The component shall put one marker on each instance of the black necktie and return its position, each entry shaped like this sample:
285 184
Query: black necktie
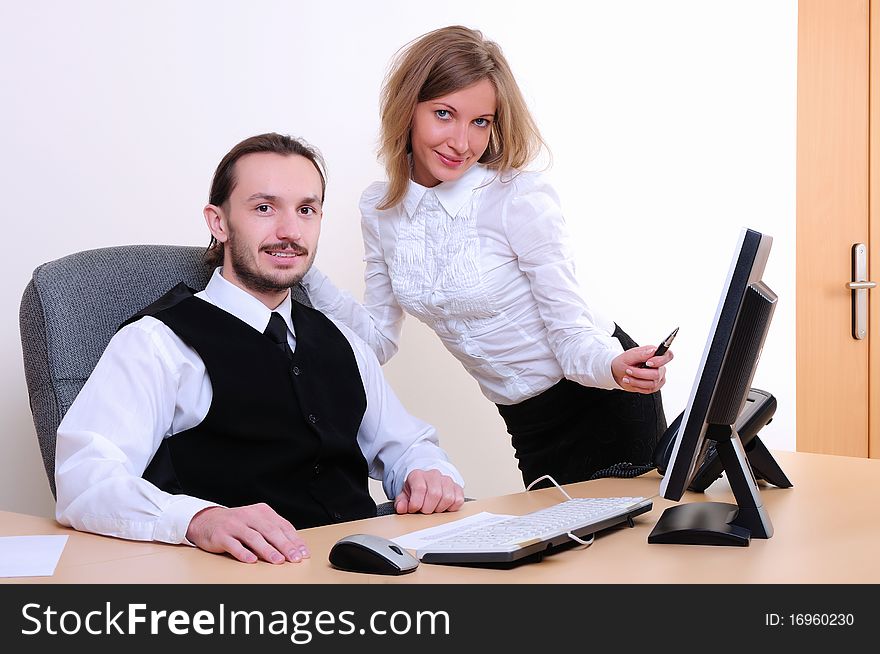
276 330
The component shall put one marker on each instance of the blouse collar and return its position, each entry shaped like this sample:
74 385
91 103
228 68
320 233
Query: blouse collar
452 195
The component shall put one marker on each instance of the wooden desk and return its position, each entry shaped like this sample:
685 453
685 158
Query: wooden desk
827 529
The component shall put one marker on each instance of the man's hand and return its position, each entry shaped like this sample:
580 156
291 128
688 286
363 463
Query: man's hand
429 491
630 377
248 533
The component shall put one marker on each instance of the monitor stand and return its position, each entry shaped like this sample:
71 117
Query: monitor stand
719 523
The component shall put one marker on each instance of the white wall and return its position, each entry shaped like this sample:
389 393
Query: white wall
672 125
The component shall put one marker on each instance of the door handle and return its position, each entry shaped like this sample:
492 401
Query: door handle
860 287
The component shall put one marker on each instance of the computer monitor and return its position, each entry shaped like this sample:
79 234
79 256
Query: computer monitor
719 393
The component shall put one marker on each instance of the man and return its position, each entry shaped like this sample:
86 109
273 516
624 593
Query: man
228 418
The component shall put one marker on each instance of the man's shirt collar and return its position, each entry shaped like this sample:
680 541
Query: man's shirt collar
244 306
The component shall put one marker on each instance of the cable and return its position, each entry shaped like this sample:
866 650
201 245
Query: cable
582 542
562 490
623 469
553 481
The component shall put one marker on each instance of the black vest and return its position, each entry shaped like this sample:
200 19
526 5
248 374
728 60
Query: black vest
278 431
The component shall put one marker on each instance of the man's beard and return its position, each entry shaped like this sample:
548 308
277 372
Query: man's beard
242 263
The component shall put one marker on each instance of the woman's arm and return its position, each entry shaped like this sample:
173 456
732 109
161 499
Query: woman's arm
379 320
535 228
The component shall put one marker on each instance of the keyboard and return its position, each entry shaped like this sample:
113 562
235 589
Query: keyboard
529 537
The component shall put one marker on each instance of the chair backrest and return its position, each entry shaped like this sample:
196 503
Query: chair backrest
72 307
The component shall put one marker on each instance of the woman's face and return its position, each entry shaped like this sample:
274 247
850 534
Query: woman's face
449 134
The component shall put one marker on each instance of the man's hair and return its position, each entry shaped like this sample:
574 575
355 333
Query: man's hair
435 64
225 180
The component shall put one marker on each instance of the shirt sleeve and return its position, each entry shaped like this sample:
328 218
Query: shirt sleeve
393 442
111 432
379 320
535 228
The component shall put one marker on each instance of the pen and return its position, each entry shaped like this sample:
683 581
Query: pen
661 349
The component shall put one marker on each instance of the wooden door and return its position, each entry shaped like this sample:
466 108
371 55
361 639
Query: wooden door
838 199
873 241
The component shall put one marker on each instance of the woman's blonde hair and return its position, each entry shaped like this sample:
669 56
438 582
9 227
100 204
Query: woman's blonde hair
438 63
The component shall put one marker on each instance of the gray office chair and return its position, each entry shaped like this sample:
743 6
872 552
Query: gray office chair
72 307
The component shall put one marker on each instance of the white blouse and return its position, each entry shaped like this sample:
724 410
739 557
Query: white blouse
486 262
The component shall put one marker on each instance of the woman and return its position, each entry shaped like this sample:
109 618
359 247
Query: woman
467 241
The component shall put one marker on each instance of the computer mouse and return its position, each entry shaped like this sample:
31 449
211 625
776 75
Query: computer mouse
371 554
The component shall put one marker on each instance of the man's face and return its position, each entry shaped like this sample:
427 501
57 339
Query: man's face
270 224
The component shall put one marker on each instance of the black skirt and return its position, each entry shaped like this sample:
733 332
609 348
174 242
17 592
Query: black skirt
573 432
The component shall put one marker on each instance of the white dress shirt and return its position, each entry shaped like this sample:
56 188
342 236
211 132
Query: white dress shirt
149 385
486 262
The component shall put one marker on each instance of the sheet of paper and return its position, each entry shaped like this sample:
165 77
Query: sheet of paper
30 556
419 539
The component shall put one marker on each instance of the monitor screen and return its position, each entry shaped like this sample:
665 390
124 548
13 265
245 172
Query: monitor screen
720 390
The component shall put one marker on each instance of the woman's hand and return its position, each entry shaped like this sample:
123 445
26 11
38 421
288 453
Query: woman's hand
631 377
